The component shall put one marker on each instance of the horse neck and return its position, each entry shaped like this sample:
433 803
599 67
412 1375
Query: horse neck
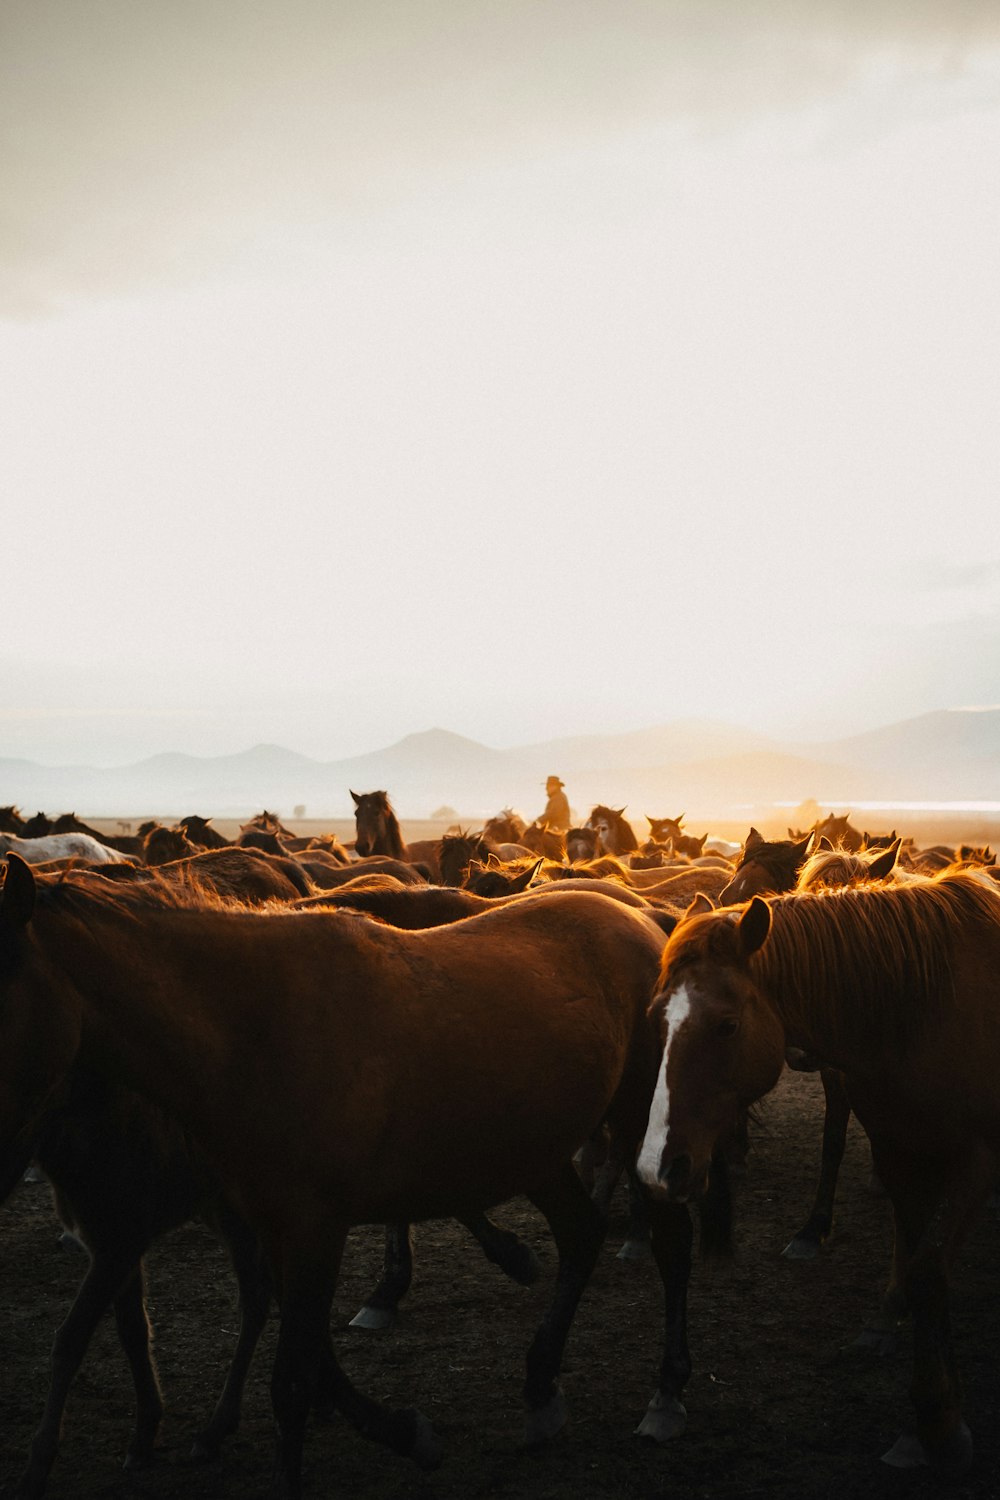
394 845
129 977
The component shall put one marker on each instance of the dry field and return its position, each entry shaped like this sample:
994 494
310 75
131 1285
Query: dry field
780 1404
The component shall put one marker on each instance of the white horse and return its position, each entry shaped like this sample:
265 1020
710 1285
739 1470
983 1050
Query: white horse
61 846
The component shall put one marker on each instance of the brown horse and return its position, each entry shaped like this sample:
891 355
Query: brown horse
899 987
840 831
378 832
662 829
337 1072
616 833
505 827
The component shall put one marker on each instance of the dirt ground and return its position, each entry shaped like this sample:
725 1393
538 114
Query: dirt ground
780 1403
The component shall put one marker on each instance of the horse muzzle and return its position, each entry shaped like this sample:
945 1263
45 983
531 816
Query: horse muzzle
678 1180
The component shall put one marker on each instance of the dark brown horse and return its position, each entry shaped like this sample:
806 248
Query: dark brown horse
11 821
200 831
765 868
899 988
123 1174
337 1071
378 832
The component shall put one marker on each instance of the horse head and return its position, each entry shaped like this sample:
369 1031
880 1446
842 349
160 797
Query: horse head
722 1045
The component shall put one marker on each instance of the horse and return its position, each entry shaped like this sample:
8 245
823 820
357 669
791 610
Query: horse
539 838
765 868
37 851
378 832
899 988
338 1072
616 833
662 829
505 827
200 832
11 820
161 845
581 844
840 831
126 843
770 869
123 1174
457 852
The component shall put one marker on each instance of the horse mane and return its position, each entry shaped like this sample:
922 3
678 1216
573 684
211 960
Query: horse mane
878 960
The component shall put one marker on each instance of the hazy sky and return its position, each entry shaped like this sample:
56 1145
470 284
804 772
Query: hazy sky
524 368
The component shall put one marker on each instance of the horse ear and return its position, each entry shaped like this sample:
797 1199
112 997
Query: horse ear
18 899
824 843
699 905
522 881
802 847
753 838
881 867
701 841
355 796
754 925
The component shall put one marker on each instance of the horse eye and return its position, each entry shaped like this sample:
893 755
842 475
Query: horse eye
728 1027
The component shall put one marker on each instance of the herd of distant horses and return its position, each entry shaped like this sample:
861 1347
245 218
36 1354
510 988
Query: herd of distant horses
290 1036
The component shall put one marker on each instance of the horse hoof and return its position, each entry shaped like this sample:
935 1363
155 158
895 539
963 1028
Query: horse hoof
543 1422
523 1266
801 1249
635 1250
426 1450
665 1419
907 1452
375 1319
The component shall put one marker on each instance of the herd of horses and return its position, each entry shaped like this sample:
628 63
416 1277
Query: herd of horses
290 1037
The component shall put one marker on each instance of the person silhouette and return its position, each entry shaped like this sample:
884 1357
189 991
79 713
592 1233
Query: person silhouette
556 814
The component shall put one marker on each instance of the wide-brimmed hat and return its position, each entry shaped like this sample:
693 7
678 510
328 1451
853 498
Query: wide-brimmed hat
554 780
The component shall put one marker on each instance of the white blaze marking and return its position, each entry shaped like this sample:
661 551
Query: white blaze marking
658 1126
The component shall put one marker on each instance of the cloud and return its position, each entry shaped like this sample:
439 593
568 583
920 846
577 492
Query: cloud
153 143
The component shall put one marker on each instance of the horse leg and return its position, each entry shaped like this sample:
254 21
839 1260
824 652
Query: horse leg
672 1234
136 1339
578 1227
255 1290
606 1179
933 1213
503 1247
805 1245
379 1311
636 1246
305 1367
107 1278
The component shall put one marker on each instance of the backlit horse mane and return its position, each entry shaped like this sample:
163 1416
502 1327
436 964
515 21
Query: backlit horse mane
819 954
838 867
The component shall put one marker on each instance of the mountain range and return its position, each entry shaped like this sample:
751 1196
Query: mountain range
706 768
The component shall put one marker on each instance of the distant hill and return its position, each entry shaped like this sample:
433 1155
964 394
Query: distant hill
698 767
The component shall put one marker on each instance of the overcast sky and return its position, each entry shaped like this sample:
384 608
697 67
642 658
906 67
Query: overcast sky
524 368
